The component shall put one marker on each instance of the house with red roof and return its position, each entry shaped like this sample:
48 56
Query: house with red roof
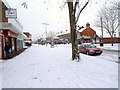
89 35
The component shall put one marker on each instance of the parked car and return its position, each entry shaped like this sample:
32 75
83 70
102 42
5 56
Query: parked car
89 49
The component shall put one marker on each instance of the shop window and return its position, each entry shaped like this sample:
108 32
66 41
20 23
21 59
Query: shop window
114 35
13 46
7 40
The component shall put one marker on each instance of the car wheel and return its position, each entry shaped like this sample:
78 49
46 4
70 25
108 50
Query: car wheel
87 53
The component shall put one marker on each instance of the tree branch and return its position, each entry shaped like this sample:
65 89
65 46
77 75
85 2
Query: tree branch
81 11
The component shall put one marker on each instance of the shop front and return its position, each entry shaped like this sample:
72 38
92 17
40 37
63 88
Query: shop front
10 28
11 37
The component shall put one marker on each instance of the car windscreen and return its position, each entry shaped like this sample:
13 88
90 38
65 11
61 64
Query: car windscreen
89 46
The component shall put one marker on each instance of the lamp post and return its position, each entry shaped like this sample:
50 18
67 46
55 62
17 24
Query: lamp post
78 33
46 31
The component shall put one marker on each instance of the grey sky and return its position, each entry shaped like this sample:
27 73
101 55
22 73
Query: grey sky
48 11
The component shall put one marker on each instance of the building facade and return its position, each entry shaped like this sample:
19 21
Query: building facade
10 29
88 35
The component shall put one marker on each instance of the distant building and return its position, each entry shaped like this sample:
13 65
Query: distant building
27 34
88 31
64 37
89 35
27 40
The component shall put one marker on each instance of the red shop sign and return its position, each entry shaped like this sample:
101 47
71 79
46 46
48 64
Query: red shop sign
12 34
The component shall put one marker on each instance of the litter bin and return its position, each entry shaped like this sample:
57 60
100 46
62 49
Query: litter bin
101 44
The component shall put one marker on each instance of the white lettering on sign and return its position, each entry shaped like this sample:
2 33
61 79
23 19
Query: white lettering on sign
11 13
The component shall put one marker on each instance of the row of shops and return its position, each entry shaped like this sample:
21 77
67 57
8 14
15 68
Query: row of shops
14 37
10 31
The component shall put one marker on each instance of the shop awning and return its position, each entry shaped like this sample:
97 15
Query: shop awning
10 26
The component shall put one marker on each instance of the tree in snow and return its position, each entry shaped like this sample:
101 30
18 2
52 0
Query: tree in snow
73 21
50 35
109 15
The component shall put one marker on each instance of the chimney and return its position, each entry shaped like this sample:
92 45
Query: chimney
87 25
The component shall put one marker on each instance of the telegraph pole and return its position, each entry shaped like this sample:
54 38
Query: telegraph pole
101 27
101 42
46 31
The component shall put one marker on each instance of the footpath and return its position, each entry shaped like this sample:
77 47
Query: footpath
17 53
109 47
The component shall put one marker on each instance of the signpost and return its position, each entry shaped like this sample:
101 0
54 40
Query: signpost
46 31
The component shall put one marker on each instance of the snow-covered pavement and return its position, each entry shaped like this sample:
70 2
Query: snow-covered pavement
45 67
115 47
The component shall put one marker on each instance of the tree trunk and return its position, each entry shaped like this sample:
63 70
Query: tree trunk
70 7
112 40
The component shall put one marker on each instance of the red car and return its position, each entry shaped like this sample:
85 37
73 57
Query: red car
89 49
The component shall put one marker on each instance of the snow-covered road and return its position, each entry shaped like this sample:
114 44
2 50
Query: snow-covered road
109 55
45 67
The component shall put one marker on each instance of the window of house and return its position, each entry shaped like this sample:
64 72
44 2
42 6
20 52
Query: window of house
114 35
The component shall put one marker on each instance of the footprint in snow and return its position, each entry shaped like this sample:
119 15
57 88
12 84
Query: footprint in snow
34 78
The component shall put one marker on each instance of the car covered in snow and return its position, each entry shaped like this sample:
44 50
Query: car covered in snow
89 49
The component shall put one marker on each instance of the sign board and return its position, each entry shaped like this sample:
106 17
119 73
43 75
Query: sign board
11 13
27 40
12 34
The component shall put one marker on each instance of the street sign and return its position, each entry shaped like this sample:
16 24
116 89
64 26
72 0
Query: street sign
11 13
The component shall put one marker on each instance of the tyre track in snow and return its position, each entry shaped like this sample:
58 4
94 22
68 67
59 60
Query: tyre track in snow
108 56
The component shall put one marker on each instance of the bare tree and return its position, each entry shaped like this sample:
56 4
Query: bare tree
72 6
73 22
51 34
109 17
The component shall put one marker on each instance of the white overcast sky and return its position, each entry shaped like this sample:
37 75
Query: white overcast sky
48 11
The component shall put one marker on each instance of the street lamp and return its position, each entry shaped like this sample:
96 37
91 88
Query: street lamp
46 31
80 27
78 33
